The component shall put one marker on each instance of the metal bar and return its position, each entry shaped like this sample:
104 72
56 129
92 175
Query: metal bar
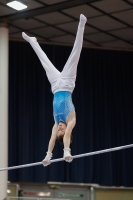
76 156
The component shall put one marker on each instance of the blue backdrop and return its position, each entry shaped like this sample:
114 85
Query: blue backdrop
103 99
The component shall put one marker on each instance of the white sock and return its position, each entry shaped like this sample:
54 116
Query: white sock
83 20
27 38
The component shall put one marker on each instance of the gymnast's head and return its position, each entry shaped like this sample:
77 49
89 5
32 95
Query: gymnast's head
61 132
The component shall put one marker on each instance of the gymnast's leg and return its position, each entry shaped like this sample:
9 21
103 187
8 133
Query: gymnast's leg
70 68
51 71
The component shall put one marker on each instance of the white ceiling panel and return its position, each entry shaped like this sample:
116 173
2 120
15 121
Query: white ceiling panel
83 9
28 24
112 5
105 23
30 3
99 37
49 2
54 18
117 43
72 28
126 34
48 32
126 16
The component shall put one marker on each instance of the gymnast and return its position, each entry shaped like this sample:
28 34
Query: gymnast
62 85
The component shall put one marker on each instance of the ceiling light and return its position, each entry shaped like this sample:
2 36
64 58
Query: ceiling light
17 5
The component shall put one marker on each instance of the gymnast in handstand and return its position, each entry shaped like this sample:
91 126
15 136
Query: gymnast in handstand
62 85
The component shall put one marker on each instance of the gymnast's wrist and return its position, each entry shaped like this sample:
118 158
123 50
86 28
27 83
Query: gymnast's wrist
67 151
49 154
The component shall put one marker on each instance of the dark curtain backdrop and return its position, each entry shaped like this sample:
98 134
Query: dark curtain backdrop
103 98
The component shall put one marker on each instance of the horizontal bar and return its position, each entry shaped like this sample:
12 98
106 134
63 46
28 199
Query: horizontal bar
76 156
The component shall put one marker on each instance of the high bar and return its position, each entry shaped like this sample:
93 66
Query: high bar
76 156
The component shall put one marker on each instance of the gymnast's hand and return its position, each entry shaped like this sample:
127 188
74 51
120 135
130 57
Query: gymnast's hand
67 155
47 159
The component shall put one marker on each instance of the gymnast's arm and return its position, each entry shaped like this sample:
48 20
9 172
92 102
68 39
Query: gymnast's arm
53 138
67 136
67 140
51 145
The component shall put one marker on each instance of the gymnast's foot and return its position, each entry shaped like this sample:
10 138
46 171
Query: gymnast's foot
83 20
27 38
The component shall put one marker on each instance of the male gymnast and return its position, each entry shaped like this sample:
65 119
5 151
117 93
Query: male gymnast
62 85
